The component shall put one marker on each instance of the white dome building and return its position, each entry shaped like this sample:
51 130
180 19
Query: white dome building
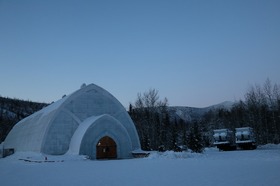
89 122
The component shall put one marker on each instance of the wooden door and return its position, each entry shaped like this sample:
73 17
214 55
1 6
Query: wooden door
106 148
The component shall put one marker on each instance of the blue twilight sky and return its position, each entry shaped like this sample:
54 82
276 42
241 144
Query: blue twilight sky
194 52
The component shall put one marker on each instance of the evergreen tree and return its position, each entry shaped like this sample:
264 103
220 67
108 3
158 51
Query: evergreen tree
145 143
195 139
173 139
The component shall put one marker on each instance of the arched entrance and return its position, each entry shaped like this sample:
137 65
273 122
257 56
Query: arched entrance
106 148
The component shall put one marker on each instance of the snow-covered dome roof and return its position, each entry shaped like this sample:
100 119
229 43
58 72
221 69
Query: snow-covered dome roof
89 113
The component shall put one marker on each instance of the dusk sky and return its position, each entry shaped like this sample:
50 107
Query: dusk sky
195 53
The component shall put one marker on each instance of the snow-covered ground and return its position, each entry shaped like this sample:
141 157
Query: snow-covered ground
256 167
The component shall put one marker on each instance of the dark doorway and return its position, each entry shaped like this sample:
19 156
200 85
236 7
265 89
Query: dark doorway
106 148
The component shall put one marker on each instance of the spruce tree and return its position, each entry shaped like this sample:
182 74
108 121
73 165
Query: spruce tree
195 139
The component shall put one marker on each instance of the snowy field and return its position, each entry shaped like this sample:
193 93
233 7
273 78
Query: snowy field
256 167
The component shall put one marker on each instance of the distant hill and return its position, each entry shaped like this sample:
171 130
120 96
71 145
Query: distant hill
191 113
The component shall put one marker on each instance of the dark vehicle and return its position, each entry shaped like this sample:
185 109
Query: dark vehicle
224 139
245 138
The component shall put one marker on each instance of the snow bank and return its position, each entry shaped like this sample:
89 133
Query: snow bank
173 155
41 158
269 146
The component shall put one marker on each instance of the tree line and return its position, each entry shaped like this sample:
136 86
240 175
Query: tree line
157 131
260 110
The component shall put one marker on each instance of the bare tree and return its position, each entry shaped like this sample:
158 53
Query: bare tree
149 115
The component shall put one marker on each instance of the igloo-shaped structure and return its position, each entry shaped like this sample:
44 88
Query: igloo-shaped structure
89 122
